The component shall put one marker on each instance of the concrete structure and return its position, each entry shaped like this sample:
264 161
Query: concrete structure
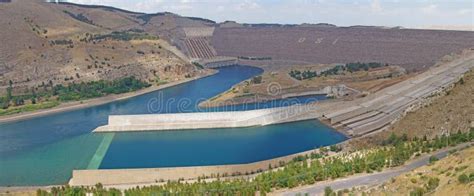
207 120
142 176
358 117
197 43
379 110
199 48
219 61
198 31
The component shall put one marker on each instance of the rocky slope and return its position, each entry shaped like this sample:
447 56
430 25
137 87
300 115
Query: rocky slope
46 43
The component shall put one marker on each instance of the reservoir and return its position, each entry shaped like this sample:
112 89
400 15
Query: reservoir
45 150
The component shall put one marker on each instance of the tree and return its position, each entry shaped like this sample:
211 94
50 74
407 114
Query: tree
328 191
432 184
417 192
335 148
433 159
463 179
257 79
9 94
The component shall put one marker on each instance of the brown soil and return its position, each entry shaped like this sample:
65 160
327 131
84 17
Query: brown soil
446 170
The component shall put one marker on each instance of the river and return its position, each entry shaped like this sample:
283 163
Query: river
45 150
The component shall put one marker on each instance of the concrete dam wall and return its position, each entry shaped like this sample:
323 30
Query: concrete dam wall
379 110
207 120
357 117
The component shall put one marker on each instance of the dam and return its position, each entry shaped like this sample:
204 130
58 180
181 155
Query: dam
357 117
360 116
29 147
209 120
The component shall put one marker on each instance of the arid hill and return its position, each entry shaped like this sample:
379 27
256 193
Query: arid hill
46 43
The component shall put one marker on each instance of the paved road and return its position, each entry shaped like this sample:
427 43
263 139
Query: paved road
369 179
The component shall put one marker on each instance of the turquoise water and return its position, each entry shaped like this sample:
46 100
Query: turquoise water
45 150
216 146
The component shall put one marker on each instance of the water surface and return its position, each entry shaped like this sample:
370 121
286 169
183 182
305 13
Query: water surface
45 150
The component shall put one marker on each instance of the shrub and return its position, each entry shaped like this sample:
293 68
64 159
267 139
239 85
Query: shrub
432 184
433 159
417 192
328 191
463 179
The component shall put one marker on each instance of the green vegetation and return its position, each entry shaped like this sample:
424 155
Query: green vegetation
433 159
255 58
93 89
464 179
60 93
337 70
67 190
199 66
417 192
256 80
126 36
79 17
433 183
29 108
328 191
61 42
304 170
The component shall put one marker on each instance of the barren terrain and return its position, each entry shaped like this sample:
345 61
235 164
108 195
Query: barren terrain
45 43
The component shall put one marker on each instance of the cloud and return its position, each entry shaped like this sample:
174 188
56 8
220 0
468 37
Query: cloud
248 5
375 6
465 11
430 9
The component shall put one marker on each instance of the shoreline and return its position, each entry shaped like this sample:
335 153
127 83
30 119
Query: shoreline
253 99
124 177
76 105
262 164
122 186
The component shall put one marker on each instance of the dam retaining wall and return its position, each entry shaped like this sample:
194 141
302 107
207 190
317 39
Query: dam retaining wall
357 117
209 120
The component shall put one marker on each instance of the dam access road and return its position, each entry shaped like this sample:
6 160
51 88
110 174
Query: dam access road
354 118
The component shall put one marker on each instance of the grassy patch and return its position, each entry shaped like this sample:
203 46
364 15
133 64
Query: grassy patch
28 108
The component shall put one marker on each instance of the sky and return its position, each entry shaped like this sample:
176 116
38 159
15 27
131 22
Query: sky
406 13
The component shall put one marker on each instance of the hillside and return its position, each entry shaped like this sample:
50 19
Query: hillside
453 175
45 43
444 115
